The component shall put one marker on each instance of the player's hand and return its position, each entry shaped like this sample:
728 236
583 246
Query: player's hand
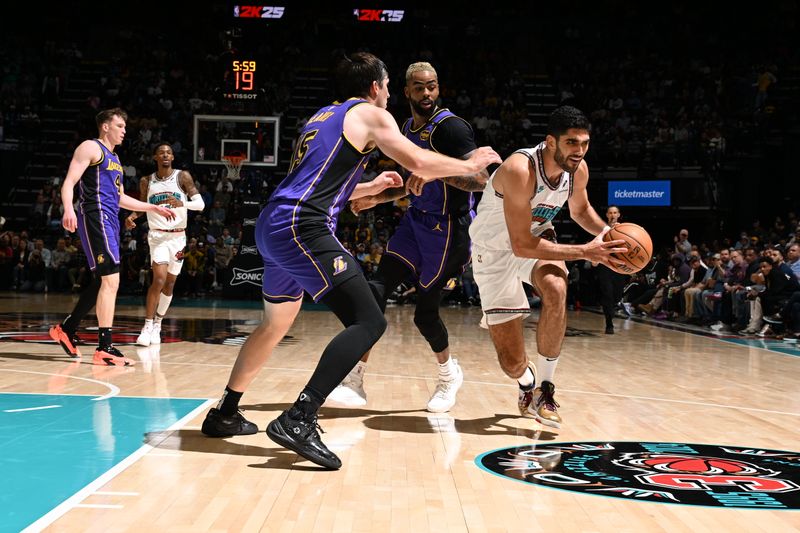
388 180
483 157
415 183
130 222
362 204
599 251
172 202
69 220
165 212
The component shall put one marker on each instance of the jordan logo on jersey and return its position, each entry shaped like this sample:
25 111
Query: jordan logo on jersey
339 265
437 227
544 213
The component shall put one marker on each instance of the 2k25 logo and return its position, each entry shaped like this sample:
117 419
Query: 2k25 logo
256 12
379 15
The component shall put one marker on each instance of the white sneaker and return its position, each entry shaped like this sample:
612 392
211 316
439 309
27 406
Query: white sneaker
145 336
444 398
155 336
350 392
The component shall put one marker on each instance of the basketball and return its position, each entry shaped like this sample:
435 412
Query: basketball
638 242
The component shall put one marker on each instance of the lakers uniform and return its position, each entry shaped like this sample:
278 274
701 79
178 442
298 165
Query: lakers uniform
432 238
498 272
98 212
295 230
167 238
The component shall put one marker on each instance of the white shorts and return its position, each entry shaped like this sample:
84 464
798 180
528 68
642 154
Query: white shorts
500 275
167 248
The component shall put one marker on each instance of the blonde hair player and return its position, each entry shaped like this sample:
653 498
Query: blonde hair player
513 242
166 238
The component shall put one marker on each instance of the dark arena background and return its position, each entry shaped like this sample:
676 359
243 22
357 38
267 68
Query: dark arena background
686 394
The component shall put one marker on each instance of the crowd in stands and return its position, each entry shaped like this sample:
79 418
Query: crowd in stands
673 109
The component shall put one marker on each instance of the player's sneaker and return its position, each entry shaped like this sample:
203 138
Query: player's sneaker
444 398
350 392
525 398
301 436
545 405
110 356
145 336
155 335
69 342
218 425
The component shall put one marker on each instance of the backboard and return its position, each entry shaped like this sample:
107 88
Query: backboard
254 137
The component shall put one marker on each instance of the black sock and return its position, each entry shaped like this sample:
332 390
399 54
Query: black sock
105 337
306 405
87 300
229 403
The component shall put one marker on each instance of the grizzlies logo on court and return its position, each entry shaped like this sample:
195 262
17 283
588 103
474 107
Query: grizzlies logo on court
688 474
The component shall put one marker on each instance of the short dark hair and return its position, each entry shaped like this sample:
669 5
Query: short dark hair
356 72
766 259
565 118
107 114
159 145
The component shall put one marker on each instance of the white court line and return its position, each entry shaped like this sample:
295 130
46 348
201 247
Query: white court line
31 409
115 493
75 499
100 506
113 389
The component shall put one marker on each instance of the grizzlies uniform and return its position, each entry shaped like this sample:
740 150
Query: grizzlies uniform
295 230
167 238
432 239
98 212
498 272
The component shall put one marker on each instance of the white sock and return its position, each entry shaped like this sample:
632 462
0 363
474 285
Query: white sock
359 369
163 303
526 380
447 370
546 366
148 323
157 320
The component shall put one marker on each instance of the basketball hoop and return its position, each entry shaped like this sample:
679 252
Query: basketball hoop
233 165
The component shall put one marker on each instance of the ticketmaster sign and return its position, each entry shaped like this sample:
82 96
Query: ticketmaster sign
639 192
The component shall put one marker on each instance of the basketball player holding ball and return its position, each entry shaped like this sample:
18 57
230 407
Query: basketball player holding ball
514 243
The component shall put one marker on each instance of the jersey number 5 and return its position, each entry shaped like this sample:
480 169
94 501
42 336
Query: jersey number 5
302 148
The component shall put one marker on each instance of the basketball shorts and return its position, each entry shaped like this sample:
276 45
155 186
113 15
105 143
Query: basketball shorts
295 261
167 248
99 234
434 247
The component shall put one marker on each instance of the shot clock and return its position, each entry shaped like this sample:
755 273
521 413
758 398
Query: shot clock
241 79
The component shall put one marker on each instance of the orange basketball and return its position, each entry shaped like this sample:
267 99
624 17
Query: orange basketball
638 242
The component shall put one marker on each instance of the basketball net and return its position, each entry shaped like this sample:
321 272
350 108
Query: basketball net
233 166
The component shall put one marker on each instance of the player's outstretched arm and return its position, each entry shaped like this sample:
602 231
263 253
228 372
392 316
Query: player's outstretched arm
381 128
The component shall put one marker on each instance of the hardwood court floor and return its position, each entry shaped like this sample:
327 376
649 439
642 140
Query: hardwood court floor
404 469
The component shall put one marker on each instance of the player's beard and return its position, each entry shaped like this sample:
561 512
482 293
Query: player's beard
421 111
563 162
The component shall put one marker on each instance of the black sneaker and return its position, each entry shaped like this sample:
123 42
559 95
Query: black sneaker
218 425
302 437
609 330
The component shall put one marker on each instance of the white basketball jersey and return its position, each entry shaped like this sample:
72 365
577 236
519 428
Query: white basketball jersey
489 230
157 191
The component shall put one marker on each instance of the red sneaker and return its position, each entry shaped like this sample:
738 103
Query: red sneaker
68 342
110 356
